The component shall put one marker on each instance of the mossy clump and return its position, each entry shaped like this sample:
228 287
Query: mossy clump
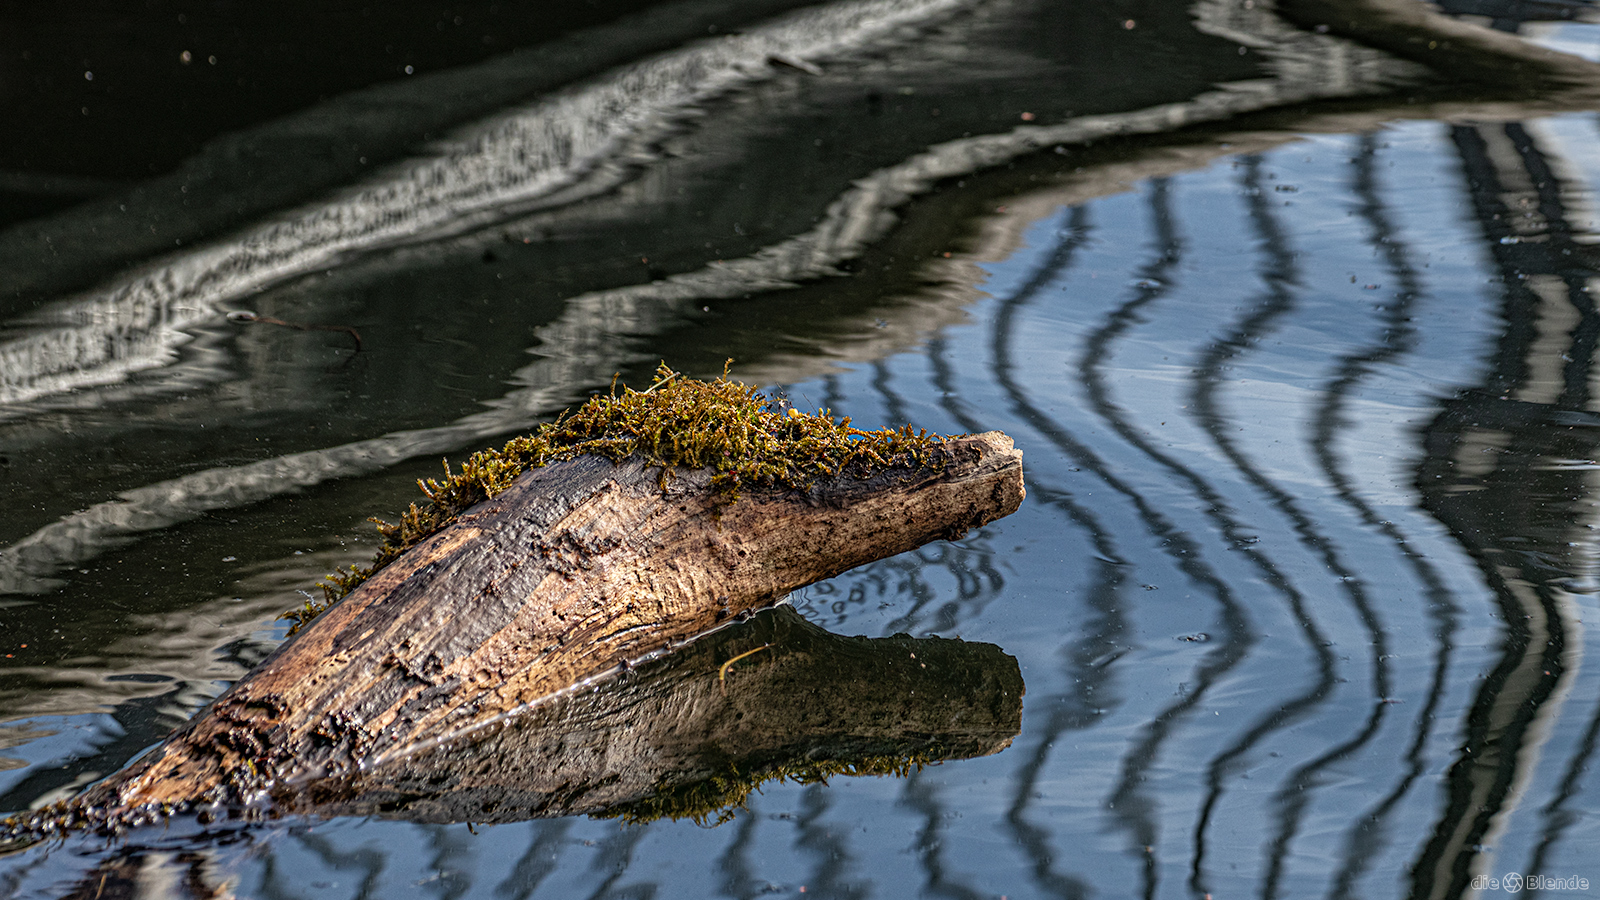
678 422
712 801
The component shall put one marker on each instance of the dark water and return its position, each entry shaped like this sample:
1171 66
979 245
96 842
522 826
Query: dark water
1299 592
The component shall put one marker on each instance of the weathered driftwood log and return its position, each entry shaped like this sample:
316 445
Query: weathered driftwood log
693 733
579 568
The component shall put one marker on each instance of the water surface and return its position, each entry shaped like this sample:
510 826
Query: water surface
1299 591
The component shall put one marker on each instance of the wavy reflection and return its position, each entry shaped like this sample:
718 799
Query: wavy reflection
1237 635
1493 475
1558 818
738 875
536 864
1087 665
1134 809
1367 833
1461 745
1278 275
921 797
568 147
1282 280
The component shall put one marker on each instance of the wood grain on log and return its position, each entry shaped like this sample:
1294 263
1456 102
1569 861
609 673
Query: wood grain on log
578 569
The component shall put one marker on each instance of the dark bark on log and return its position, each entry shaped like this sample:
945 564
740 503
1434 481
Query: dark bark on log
578 569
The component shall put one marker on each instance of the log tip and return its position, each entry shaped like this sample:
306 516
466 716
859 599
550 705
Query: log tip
998 442
1000 455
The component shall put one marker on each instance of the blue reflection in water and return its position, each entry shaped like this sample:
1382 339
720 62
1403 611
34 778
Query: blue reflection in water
1298 591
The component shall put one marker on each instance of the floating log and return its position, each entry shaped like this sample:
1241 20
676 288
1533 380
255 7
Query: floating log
580 567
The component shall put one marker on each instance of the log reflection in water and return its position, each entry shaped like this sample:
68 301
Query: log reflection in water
692 734
686 735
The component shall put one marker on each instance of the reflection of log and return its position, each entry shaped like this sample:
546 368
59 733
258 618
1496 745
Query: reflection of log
683 736
577 569
676 736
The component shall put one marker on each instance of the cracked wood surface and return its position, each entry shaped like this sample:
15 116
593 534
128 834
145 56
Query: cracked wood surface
578 569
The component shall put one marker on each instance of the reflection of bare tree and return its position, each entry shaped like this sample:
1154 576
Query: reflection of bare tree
615 857
738 876
1134 809
1087 663
1281 280
1558 818
922 797
827 846
1368 831
1237 634
1154 284
536 864
148 872
1278 277
1494 475
904 582
369 863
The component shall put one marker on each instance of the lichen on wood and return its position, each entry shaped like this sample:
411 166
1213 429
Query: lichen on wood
746 438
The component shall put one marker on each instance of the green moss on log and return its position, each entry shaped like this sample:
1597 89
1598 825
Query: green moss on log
676 423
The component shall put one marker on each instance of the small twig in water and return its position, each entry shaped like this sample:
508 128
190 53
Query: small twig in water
722 673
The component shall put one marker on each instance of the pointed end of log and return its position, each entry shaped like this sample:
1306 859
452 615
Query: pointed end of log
1003 453
1000 463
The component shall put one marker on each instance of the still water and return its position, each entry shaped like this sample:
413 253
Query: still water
1300 588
